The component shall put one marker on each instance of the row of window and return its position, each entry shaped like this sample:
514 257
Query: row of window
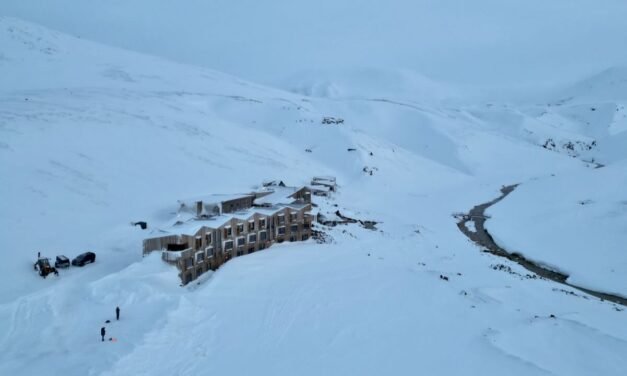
251 225
228 231
228 245
293 229
252 238
241 241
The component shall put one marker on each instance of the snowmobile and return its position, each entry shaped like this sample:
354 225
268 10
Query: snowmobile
44 268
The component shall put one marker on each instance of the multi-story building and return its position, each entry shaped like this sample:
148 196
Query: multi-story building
234 226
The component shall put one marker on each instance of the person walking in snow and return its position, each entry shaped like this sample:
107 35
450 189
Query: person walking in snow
117 313
102 333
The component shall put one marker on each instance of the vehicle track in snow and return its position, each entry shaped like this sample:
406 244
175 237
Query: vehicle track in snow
483 238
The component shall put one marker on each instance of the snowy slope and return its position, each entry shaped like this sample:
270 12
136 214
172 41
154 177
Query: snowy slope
92 138
576 223
486 42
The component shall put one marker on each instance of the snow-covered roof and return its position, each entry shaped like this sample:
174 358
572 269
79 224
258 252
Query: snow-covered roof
189 225
214 198
277 195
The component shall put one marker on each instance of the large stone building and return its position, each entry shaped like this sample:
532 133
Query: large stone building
213 229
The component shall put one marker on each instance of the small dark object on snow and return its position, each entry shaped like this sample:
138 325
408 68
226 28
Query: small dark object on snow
371 153
332 120
84 258
552 316
141 224
351 149
117 313
62 262
443 277
108 321
308 150
102 333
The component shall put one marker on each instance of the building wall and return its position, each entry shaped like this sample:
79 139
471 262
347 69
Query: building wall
303 195
190 267
234 205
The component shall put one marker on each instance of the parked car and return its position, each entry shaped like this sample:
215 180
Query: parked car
84 258
62 262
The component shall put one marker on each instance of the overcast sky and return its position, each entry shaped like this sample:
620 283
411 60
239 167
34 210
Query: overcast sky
491 42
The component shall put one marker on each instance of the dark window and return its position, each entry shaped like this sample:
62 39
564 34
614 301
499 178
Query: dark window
281 219
305 237
263 236
262 246
240 228
281 230
200 257
251 249
189 262
241 241
262 223
306 225
292 238
228 245
240 253
198 242
227 231
252 238
208 238
294 228
177 247
251 226
209 252
293 217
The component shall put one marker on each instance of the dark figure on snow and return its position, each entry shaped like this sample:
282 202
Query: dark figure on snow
102 333
38 255
117 313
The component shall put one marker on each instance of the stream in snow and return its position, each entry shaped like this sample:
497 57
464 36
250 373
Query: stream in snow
473 226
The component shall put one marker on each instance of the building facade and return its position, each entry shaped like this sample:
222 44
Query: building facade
209 244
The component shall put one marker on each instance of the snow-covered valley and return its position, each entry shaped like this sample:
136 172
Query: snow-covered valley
93 138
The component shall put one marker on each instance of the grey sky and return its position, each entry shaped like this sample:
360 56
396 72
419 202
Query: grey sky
492 42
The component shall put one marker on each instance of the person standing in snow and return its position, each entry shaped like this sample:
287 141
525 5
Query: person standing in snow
117 313
38 255
102 333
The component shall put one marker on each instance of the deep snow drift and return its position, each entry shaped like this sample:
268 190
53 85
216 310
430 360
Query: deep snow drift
92 138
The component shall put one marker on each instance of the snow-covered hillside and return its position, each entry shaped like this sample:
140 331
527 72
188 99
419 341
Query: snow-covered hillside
484 42
93 137
576 223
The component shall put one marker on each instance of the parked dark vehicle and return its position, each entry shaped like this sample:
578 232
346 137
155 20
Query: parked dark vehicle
84 258
62 262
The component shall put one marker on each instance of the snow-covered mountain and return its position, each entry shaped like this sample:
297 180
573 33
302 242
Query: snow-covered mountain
483 42
94 137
